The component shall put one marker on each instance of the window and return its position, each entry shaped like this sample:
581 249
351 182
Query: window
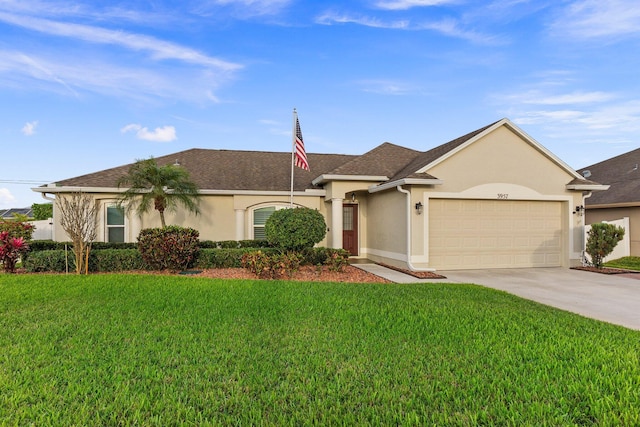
260 217
115 224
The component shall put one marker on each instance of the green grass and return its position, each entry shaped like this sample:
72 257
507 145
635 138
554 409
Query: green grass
628 263
160 350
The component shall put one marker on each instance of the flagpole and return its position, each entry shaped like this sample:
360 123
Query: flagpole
293 150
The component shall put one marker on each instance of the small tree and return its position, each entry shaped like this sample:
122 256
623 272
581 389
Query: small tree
163 187
79 219
42 211
295 229
602 239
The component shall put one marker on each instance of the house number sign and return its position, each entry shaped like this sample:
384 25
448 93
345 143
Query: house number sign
503 196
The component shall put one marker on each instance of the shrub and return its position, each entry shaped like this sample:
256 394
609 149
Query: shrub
224 258
110 260
295 229
17 229
48 261
106 260
337 259
602 239
46 245
169 248
233 244
11 248
271 266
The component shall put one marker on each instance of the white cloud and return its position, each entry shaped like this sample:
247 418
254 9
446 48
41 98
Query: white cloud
6 199
330 18
158 49
408 4
540 98
451 28
386 87
160 134
599 18
244 8
63 74
30 128
446 27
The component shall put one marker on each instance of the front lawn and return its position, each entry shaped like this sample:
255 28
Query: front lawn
627 263
166 350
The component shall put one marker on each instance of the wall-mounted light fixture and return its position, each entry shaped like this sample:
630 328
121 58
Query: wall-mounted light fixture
353 197
579 210
419 208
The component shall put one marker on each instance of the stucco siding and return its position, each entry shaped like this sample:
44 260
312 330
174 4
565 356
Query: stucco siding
500 157
387 240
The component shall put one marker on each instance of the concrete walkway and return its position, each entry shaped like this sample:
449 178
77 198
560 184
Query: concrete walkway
611 298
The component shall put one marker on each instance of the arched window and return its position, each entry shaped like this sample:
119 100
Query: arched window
260 217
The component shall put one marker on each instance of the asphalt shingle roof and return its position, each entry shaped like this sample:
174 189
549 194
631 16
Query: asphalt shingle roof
235 170
229 170
621 173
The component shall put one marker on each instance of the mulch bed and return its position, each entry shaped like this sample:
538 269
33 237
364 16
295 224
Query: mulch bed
606 270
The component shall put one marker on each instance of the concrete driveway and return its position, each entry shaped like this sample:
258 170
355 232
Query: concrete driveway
611 298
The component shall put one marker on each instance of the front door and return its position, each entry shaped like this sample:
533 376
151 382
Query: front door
350 228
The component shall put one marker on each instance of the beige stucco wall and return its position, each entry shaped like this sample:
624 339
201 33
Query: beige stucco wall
387 239
500 157
216 221
502 166
611 214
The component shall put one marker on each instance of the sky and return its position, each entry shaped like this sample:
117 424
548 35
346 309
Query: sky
87 85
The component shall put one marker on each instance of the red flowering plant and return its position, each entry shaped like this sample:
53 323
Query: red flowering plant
11 248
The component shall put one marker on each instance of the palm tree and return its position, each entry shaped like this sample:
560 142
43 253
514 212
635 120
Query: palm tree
165 186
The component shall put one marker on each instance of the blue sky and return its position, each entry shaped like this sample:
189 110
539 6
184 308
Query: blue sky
92 84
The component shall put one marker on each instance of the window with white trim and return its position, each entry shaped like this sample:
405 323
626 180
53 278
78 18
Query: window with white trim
260 217
114 224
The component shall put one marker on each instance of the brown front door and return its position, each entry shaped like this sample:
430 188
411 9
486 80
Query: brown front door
350 228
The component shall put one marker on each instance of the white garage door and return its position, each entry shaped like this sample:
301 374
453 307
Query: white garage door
471 234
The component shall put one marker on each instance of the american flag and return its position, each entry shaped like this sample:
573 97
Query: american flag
300 154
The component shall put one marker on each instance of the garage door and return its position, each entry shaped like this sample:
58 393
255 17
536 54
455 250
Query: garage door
468 234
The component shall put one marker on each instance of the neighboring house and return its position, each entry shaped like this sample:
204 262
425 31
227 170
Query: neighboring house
622 174
494 198
9 213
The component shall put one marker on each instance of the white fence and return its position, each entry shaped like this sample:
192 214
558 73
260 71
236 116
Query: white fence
623 248
44 229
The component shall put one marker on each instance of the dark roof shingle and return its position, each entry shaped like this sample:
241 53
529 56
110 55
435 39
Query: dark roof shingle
621 173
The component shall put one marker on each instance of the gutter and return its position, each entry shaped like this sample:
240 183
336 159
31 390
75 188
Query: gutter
409 264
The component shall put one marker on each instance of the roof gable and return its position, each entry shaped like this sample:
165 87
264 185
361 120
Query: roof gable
441 153
386 159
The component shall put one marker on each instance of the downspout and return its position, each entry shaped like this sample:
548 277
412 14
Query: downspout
583 256
409 264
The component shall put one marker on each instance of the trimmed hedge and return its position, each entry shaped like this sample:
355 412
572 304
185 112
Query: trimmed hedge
114 260
49 245
109 260
48 261
225 258
105 260
233 244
